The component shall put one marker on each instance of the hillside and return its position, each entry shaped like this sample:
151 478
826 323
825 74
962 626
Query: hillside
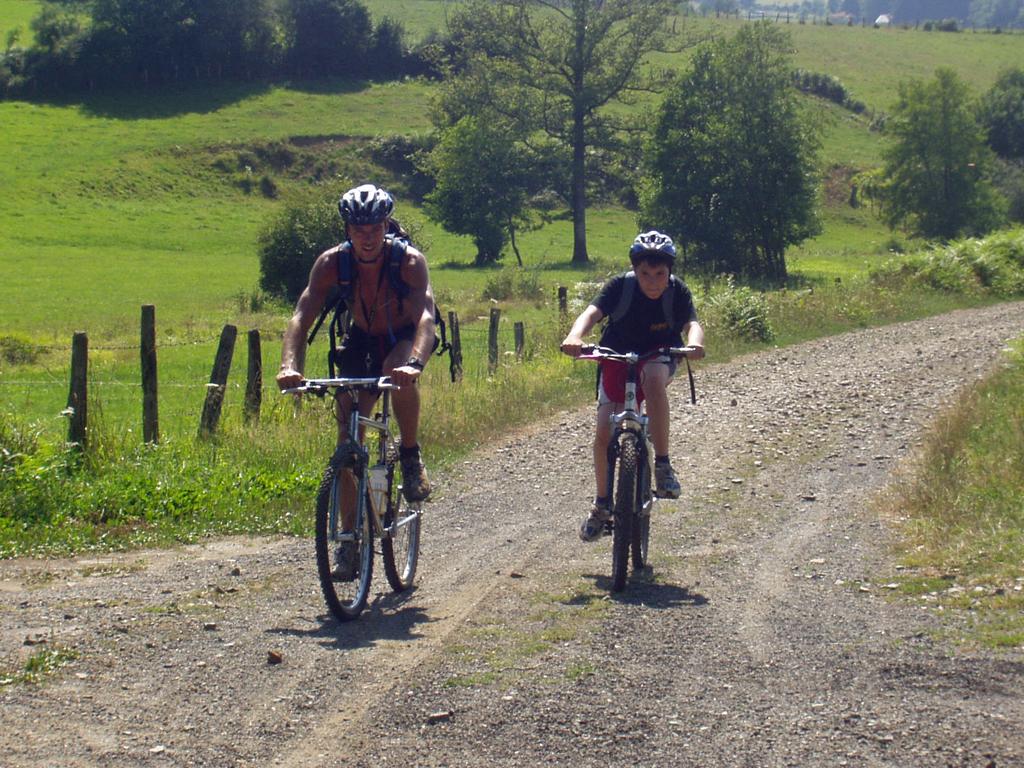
154 196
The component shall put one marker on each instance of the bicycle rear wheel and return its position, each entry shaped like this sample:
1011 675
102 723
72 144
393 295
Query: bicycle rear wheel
345 592
400 545
642 523
625 501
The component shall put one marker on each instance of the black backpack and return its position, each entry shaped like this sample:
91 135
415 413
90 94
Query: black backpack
398 241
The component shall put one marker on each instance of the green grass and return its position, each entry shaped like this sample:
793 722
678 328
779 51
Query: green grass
125 199
41 665
961 511
15 15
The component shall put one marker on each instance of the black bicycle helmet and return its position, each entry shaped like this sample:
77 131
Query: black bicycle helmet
365 204
654 247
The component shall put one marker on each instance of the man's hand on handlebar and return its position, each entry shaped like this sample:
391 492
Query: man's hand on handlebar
694 352
288 378
405 375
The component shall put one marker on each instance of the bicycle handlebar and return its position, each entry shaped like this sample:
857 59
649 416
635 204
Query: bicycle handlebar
320 386
596 352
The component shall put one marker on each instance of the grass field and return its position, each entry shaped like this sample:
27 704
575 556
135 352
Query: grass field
120 200
15 16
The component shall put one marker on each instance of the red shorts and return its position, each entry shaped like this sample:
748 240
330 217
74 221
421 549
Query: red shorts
612 381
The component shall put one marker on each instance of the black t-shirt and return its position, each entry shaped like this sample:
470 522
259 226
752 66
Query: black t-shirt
644 325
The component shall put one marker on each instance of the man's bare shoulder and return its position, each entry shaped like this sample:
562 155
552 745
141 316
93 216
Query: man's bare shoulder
414 268
325 268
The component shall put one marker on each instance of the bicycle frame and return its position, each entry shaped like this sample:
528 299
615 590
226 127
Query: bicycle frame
630 492
631 418
378 510
356 443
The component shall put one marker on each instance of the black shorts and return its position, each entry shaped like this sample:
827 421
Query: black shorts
363 355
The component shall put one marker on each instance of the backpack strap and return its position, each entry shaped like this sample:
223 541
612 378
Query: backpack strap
625 298
396 257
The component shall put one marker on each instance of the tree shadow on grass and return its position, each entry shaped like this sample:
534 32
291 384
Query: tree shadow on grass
165 101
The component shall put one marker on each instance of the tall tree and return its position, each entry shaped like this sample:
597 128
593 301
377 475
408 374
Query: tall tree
554 66
482 185
329 37
1002 114
935 171
731 161
921 10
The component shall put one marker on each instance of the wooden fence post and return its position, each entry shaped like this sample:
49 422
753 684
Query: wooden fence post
78 410
254 379
520 334
147 350
456 350
492 340
563 301
218 382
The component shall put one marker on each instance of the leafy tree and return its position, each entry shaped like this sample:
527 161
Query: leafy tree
552 68
482 185
329 37
1002 114
851 7
731 162
920 10
935 169
872 9
996 13
306 226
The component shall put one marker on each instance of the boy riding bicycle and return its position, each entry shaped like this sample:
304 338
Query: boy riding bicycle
647 308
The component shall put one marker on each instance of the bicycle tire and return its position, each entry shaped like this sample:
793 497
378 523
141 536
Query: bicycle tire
400 549
642 523
625 510
345 599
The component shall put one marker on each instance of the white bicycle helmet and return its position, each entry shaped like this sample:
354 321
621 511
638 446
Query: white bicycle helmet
365 204
653 244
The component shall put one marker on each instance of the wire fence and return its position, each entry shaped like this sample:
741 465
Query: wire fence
187 395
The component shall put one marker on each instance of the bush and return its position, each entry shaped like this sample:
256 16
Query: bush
308 225
18 351
742 311
513 283
992 266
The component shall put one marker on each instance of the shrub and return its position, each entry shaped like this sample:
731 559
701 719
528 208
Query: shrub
994 266
513 283
741 311
307 226
18 351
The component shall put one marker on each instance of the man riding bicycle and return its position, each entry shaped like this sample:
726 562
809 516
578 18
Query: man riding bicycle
647 308
392 332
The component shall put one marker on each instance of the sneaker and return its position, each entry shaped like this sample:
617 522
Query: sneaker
345 562
593 526
667 486
415 484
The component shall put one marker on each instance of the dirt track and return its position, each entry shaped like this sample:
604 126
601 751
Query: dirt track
763 637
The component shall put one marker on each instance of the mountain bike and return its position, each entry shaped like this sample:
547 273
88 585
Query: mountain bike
629 463
380 509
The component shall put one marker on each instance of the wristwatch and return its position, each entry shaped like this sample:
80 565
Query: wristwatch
414 362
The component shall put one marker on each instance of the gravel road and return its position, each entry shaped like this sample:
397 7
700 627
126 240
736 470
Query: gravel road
762 636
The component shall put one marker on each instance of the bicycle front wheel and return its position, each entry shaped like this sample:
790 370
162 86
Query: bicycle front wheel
641 533
625 510
400 545
344 559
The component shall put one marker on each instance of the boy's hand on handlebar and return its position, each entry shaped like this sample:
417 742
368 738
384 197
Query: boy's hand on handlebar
694 351
288 378
572 346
